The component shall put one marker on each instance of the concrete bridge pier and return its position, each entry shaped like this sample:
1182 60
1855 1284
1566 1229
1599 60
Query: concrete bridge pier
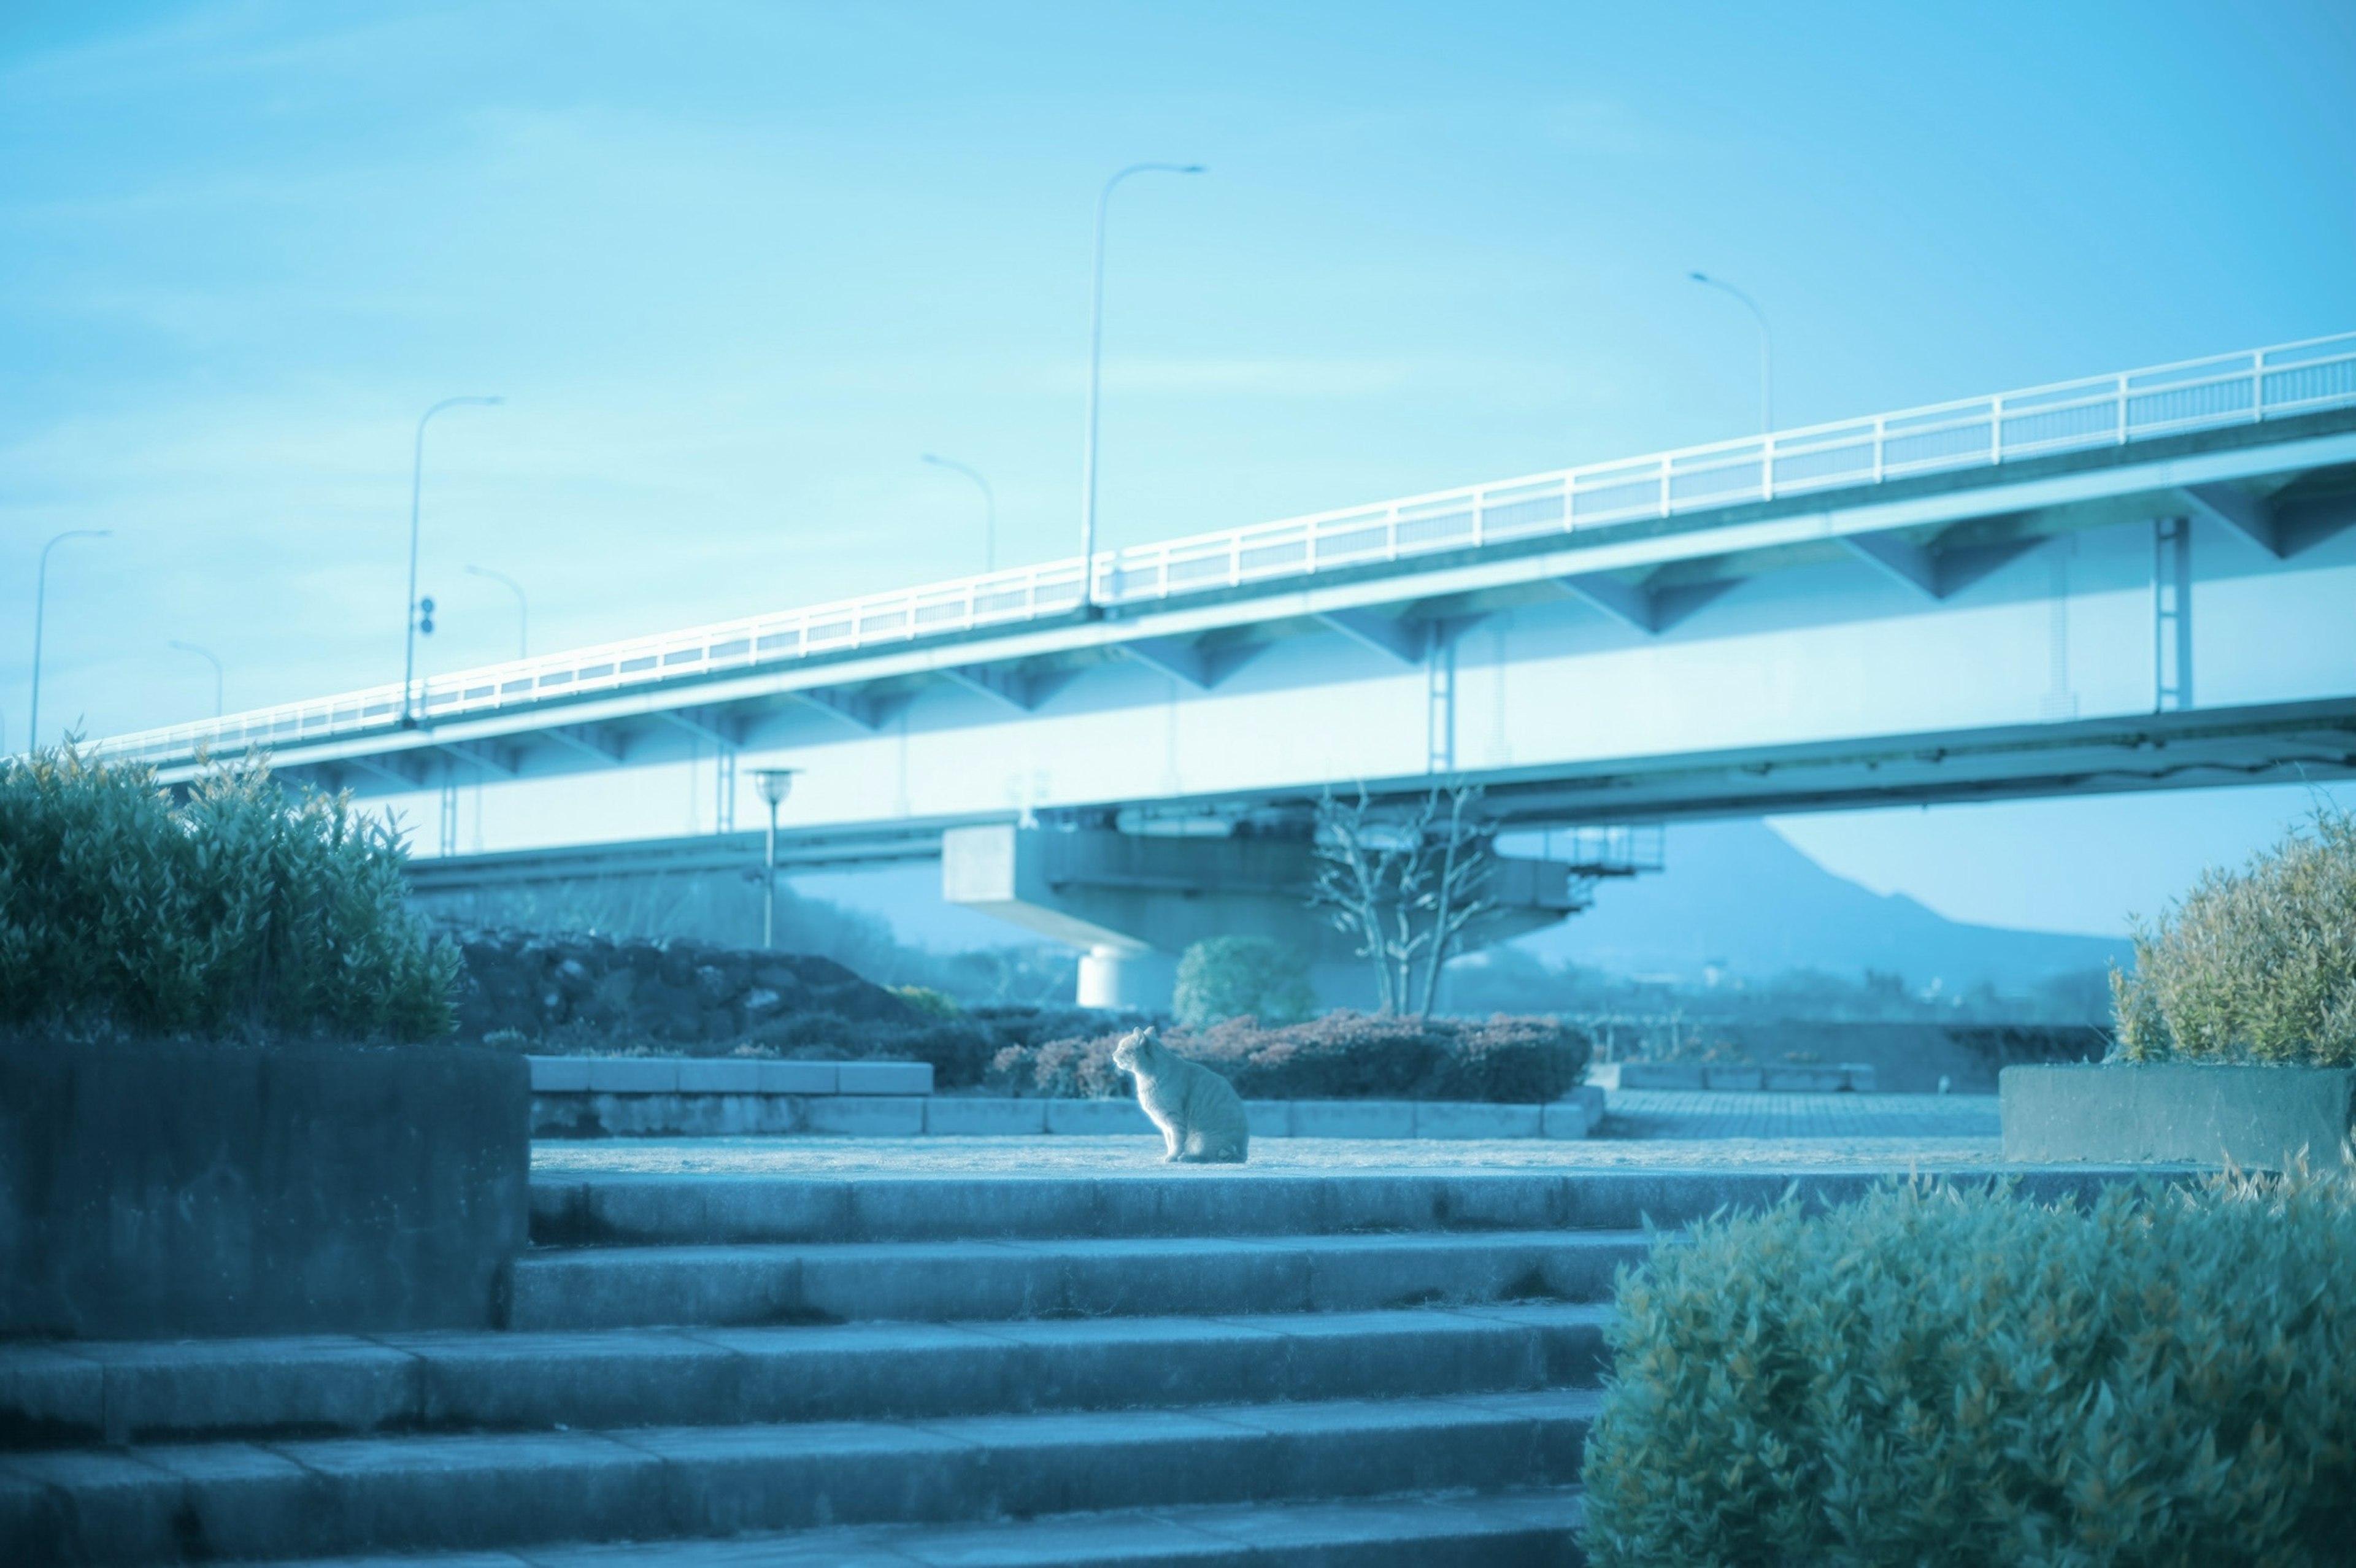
1113 975
1136 902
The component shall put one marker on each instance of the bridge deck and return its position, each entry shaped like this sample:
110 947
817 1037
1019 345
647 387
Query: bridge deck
1975 444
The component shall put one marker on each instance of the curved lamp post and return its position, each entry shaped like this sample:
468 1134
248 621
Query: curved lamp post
1766 347
411 608
523 610
206 654
40 603
988 505
1096 370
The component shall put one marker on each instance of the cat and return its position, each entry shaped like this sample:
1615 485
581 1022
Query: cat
1201 1116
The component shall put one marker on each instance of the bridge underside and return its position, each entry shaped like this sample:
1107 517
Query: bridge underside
2164 613
2290 743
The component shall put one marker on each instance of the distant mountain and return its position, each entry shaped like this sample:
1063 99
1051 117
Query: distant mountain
1739 897
1736 895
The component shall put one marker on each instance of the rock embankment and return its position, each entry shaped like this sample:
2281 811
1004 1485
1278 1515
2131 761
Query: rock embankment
586 990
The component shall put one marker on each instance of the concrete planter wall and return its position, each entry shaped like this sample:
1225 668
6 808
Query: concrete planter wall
2258 1117
174 1188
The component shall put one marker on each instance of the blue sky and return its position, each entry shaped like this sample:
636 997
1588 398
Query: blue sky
736 266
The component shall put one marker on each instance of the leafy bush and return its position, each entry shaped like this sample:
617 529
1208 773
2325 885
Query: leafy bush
1935 1377
1224 977
242 909
2255 965
1341 1056
1071 1069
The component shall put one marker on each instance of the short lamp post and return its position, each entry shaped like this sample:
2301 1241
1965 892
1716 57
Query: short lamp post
776 784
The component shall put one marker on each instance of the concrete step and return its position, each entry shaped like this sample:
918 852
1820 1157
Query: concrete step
936 1281
207 1389
345 1496
1534 1528
672 1209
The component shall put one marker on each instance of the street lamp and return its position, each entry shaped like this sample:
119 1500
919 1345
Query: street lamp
1766 347
1095 371
40 603
206 654
412 610
988 503
523 611
776 784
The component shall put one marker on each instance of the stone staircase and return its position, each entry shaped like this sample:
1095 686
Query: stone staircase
1197 1368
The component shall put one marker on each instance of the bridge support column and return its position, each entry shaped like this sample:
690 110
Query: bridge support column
1136 902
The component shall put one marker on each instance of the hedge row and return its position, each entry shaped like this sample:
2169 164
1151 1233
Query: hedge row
1341 1056
241 908
1936 1377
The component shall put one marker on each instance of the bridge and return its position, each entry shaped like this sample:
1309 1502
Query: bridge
2136 581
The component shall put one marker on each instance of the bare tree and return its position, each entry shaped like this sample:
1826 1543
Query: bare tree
1460 893
1407 883
1354 876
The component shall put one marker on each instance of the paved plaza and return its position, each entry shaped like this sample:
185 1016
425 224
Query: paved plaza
1643 1130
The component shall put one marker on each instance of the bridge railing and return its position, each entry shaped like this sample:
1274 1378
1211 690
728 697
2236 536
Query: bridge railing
2133 405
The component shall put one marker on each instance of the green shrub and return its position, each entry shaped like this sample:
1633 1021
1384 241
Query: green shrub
240 910
1934 1377
1224 978
959 1048
1341 1056
931 1003
2254 965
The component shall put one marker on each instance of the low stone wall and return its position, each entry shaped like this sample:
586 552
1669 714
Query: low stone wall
1848 1077
172 1189
576 1097
2177 1113
668 1096
1905 1058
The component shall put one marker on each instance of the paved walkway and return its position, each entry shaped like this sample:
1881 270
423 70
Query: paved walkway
1651 1130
